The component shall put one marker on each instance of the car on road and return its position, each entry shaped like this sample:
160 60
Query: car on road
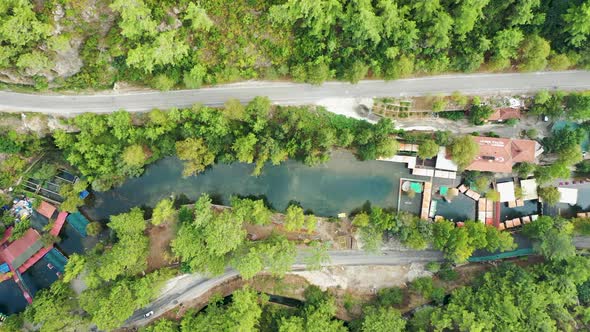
148 314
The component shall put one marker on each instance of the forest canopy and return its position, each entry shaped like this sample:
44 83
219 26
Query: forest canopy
189 43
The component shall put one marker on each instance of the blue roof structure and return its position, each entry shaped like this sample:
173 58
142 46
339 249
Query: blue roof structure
4 268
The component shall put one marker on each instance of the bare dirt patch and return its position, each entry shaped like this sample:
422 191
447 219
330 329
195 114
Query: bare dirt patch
160 254
364 279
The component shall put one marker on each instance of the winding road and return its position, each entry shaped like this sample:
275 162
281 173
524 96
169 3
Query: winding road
190 286
294 93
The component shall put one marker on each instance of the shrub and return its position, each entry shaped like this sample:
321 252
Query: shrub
447 273
94 228
532 133
439 105
423 286
511 122
438 295
452 115
388 297
433 267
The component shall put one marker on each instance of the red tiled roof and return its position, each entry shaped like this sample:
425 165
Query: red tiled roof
505 114
499 154
46 209
22 247
61 218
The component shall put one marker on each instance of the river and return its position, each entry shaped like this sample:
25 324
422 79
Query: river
340 185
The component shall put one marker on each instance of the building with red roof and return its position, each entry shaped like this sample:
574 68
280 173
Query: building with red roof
498 155
19 251
503 114
46 209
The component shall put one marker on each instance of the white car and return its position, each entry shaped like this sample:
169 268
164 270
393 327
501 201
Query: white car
148 314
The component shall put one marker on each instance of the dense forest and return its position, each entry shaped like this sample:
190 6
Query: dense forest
79 44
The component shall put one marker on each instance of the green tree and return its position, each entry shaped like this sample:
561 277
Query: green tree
387 297
463 150
166 49
252 211
318 16
371 238
34 63
505 47
20 229
549 195
478 114
467 14
193 79
196 155
362 23
110 305
294 218
129 255
57 309
233 109
458 243
134 156
245 148
383 320
163 82
493 195
534 53
164 212
439 104
428 149
361 220
358 70
74 267
556 245
136 18
576 23
46 172
553 237
578 106
243 314
276 253
542 97
94 228
524 169
317 72
162 325
531 300
559 62
460 99
206 243
198 17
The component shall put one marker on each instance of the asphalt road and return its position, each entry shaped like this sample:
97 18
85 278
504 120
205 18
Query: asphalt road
190 286
582 242
293 93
